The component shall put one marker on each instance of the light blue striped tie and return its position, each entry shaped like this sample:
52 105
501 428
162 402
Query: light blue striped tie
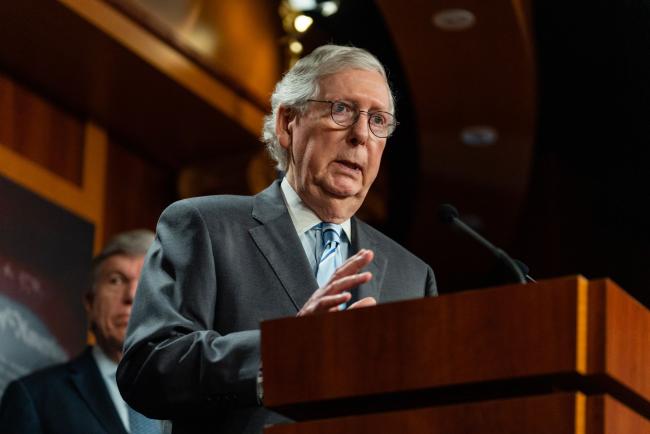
331 258
140 424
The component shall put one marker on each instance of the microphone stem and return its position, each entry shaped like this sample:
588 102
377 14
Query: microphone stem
503 256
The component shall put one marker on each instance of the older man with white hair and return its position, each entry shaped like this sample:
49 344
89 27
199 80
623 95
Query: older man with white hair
222 264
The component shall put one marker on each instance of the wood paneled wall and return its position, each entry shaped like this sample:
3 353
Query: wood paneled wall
40 131
70 161
137 190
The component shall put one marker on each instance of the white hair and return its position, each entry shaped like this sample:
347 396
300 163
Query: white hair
131 243
302 81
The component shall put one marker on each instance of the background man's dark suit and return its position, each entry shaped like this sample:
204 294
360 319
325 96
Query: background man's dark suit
218 267
70 398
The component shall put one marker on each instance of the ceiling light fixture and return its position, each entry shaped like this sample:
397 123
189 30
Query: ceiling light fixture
328 8
295 47
303 5
479 135
302 22
453 19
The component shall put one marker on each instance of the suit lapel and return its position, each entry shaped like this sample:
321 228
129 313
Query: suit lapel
87 379
363 239
278 242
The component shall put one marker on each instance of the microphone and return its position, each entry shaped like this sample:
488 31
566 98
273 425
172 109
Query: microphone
525 270
449 215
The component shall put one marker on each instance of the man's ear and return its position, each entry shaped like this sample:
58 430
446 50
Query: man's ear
284 126
88 299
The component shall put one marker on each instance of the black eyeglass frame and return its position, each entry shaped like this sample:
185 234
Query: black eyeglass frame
394 124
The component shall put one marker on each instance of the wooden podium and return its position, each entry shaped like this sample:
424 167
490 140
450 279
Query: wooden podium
560 356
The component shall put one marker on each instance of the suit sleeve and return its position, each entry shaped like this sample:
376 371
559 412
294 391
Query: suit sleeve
430 288
175 363
17 412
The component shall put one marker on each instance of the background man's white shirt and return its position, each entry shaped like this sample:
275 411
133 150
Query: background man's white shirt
107 368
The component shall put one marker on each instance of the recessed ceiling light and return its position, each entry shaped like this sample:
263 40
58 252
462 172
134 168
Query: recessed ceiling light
302 22
302 5
329 8
453 19
479 135
295 47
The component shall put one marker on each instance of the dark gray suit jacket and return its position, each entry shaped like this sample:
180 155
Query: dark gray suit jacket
70 398
219 266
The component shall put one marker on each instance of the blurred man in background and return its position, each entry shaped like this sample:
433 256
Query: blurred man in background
81 396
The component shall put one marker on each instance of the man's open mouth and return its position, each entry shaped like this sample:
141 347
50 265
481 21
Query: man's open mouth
350 164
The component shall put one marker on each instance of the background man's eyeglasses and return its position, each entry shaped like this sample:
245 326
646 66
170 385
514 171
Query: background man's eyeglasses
381 124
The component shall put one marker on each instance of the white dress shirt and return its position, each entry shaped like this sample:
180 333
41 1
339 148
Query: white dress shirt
304 219
108 368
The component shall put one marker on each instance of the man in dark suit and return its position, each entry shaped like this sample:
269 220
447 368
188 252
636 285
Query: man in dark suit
221 264
81 396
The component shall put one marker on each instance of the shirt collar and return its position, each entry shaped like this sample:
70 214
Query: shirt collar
302 216
106 366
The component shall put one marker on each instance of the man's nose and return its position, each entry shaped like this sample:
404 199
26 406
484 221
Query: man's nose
359 131
129 292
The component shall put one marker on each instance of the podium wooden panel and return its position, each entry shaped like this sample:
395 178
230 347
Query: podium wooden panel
561 413
497 346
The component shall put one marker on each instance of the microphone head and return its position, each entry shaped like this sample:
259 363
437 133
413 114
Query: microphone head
447 213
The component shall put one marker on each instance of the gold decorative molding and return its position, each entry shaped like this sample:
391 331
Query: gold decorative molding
169 61
88 201
581 325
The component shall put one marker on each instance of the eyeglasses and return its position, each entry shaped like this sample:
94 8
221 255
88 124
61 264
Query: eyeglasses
382 124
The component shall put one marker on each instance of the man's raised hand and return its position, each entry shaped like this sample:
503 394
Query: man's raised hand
336 291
